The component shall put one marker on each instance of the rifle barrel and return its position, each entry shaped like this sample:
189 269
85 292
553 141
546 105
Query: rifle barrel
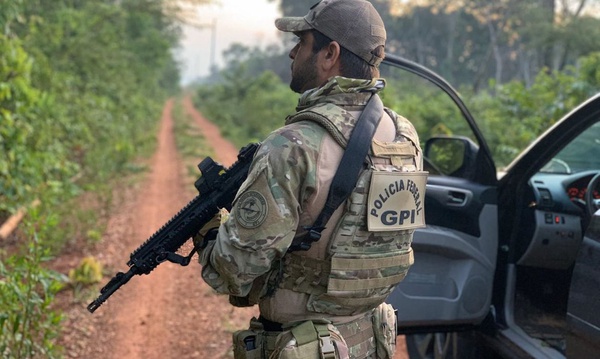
118 280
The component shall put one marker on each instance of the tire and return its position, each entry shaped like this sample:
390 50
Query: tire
445 345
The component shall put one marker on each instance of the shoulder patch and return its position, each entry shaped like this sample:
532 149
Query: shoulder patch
253 209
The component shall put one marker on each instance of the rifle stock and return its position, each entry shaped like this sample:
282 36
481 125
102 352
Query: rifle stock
217 187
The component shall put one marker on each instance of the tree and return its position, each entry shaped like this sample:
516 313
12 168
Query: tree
522 37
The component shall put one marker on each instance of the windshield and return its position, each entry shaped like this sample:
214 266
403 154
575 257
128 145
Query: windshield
581 154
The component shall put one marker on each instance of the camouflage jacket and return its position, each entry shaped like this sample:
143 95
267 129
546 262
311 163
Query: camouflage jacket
285 190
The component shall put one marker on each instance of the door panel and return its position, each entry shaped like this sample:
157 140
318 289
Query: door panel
451 280
583 313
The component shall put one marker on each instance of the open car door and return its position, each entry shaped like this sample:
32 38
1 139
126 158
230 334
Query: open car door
450 284
497 254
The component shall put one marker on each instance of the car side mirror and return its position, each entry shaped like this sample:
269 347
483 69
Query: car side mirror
452 156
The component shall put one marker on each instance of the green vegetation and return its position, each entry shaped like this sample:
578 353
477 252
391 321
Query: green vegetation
89 271
190 142
28 325
518 114
81 88
246 107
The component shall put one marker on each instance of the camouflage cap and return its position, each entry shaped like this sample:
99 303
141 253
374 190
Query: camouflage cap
354 24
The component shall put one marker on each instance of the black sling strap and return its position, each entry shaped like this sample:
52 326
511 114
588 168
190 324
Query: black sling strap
346 176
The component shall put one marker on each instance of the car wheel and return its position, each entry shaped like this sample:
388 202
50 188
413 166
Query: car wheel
451 345
432 345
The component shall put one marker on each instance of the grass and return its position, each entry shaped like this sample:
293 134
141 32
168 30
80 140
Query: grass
191 143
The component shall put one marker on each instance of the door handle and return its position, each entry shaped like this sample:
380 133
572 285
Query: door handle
449 196
456 198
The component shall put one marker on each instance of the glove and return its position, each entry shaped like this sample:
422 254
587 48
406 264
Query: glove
209 231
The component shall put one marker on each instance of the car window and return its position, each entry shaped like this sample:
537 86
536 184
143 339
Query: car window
582 154
432 112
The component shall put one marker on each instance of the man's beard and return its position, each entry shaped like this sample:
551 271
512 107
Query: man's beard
307 73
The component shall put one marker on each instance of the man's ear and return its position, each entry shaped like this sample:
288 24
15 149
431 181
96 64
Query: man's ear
330 57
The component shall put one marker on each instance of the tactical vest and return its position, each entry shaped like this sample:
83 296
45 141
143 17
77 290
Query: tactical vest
361 267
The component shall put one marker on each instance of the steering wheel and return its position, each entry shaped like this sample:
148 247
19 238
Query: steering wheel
592 204
554 166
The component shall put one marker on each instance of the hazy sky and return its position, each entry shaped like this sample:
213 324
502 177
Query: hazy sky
247 22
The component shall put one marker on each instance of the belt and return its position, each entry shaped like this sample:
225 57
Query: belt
269 325
358 334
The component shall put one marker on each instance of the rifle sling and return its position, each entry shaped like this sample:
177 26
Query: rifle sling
179 259
346 176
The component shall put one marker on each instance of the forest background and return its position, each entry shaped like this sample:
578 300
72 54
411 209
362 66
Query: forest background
82 83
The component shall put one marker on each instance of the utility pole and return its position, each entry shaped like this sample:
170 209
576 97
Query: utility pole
213 42
213 39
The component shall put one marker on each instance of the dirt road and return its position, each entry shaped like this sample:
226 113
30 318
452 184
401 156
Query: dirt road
171 313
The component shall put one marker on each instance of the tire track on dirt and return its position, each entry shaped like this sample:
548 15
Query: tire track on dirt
225 151
143 311
170 313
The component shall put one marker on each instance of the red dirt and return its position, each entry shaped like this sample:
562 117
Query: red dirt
171 313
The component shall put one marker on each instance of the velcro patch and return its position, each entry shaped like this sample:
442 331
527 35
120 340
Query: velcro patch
396 201
381 149
252 209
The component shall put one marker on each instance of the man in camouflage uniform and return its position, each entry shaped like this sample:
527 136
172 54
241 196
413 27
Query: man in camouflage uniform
327 301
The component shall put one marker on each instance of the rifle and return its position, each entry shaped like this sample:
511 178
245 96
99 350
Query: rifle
217 188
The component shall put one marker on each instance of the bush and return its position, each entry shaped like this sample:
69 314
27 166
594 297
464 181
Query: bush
81 88
517 115
89 271
28 326
247 108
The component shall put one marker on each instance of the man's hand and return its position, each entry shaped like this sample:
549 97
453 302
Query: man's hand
210 230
